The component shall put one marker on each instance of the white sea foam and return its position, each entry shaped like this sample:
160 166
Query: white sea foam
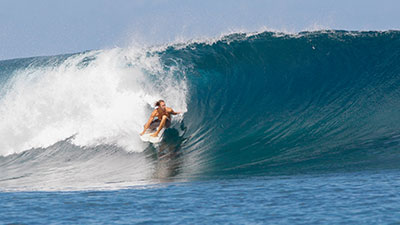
98 97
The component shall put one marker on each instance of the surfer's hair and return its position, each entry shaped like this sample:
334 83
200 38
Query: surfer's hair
158 103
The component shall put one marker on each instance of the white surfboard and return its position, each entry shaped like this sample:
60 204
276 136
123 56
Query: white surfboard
146 137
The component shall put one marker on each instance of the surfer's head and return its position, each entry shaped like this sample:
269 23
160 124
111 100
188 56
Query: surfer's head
160 104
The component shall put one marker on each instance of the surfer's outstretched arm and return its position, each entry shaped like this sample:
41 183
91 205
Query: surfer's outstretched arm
173 112
147 125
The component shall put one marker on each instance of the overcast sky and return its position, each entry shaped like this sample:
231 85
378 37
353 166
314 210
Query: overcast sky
50 27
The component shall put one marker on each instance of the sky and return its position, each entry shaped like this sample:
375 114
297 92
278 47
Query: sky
51 27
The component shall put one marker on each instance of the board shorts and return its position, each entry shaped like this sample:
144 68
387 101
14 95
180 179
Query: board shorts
154 125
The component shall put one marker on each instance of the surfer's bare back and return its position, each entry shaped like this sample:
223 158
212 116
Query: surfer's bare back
163 114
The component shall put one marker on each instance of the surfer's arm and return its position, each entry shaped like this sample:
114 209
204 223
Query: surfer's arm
171 111
147 125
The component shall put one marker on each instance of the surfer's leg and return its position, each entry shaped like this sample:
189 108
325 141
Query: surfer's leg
155 124
164 119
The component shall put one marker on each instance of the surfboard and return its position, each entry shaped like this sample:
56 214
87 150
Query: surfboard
147 138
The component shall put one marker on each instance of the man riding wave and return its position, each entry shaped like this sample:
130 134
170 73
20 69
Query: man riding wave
163 114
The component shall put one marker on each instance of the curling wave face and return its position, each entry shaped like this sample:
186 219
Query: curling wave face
263 103
276 103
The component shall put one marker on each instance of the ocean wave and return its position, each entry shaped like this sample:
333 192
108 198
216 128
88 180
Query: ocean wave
254 103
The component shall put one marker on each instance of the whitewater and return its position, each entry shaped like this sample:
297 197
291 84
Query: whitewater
265 114
95 97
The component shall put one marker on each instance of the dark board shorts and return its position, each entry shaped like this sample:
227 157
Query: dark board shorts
154 125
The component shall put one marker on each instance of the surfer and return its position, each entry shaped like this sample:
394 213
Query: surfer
163 114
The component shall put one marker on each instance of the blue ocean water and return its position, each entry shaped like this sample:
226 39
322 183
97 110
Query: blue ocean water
358 198
276 128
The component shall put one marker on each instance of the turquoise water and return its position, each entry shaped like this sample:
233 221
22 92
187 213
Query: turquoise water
357 198
276 128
